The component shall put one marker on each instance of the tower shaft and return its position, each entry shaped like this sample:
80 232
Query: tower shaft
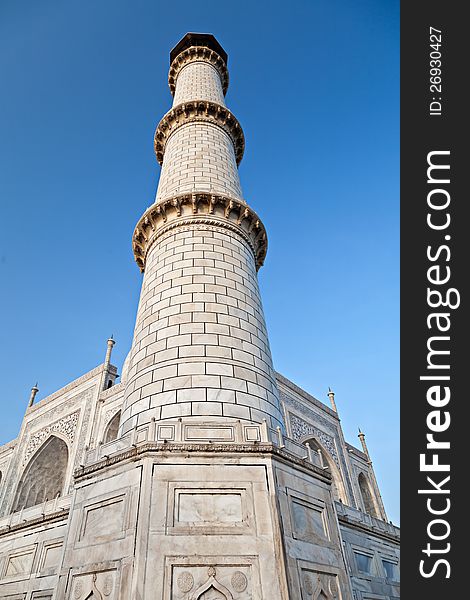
200 347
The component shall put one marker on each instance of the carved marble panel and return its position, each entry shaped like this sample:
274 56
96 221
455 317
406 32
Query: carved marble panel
213 582
50 555
204 433
308 521
166 432
209 507
19 563
301 430
319 585
101 585
82 400
103 520
214 509
303 409
66 426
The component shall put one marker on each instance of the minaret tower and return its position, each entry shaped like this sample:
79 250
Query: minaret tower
200 348
202 495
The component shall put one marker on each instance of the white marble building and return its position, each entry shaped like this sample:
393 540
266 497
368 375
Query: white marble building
200 473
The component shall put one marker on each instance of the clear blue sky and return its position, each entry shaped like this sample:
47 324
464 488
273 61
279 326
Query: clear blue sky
314 84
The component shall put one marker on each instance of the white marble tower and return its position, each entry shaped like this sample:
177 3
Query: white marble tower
200 344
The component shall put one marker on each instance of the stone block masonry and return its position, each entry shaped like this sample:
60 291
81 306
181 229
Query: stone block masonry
200 345
199 81
199 157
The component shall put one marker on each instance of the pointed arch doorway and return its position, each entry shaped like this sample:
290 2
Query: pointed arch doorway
44 476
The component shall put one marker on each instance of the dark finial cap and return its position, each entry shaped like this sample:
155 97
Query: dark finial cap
198 39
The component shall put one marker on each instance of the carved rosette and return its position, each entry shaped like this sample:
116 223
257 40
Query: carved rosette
185 581
199 110
93 585
239 581
78 590
199 209
196 54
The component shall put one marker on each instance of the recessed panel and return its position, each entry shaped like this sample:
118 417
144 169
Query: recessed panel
308 521
19 564
208 507
51 556
103 519
206 433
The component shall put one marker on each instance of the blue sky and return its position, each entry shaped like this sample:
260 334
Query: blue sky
315 85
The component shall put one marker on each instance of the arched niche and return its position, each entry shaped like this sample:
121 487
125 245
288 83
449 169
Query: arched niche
212 590
366 494
212 594
44 476
337 485
111 431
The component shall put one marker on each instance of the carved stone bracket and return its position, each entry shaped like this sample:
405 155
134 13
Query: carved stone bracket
199 110
199 208
193 54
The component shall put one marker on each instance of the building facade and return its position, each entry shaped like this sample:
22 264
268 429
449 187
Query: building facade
201 474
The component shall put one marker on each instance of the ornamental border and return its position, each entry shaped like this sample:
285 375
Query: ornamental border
194 54
199 111
205 208
165 449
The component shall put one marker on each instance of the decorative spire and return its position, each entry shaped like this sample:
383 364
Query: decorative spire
109 349
34 391
331 396
362 437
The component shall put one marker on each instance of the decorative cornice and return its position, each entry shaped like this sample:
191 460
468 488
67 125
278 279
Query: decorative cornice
194 54
305 395
199 209
136 452
114 390
8 446
199 110
353 450
41 520
392 536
